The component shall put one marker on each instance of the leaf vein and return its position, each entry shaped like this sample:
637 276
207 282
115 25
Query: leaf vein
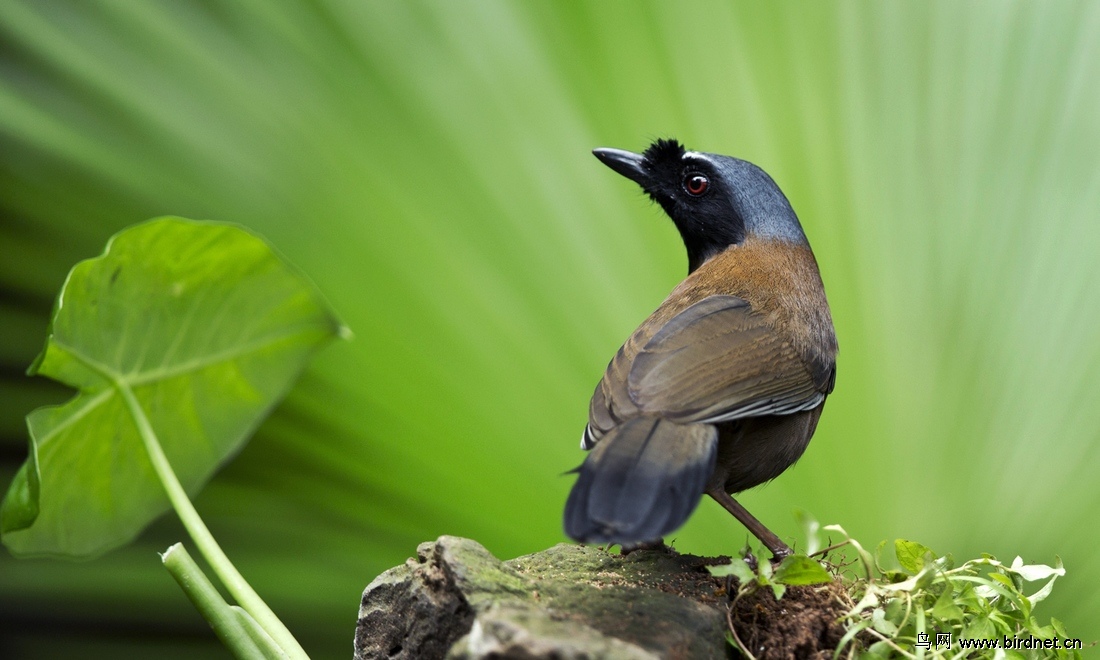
197 364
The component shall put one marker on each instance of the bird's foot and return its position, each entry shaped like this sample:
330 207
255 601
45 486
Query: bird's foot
780 553
658 545
750 559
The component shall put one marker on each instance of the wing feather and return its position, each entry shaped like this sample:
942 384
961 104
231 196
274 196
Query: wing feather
716 360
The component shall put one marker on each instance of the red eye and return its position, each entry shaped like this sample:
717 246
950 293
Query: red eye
696 184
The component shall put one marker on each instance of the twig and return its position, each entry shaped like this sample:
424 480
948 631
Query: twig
733 630
829 549
889 642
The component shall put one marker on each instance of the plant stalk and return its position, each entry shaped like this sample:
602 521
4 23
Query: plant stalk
247 597
225 620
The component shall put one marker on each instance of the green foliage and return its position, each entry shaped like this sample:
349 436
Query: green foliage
751 574
890 611
207 327
179 338
980 600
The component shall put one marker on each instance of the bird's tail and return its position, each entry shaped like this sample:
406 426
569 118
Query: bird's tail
641 481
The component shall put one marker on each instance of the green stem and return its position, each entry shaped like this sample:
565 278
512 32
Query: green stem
225 621
204 540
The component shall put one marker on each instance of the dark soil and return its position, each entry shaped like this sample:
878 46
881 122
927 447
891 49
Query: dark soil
803 624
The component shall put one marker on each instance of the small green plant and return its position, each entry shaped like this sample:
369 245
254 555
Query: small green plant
179 338
927 607
981 608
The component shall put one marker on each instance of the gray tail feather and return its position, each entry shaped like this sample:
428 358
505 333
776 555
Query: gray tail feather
642 481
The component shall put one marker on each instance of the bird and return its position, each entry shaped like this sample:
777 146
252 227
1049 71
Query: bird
721 388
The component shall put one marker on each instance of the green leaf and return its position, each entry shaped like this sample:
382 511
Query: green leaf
800 569
1003 579
893 577
738 568
764 572
968 599
878 557
925 578
895 610
945 608
1059 627
207 326
911 555
20 506
880 623
979 629
1042 632
880 649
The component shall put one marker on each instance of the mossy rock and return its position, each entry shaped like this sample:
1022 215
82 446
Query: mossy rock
456 600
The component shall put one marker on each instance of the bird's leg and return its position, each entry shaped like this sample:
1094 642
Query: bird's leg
778 548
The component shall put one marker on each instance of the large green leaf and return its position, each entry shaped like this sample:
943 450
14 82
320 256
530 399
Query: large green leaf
207 326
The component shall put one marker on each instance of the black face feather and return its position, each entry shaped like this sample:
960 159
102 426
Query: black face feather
715 201
664 151
708 223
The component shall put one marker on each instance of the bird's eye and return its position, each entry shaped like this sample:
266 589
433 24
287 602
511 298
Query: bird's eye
696 184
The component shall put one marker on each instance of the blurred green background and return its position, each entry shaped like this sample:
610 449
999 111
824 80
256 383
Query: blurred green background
427 164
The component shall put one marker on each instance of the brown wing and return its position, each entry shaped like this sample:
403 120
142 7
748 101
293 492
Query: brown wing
716 360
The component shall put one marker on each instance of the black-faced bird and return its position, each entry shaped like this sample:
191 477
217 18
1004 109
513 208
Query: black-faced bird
721 388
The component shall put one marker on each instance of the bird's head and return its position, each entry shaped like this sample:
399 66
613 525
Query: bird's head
715 201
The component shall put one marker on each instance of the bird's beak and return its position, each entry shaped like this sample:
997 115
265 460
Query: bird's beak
627 163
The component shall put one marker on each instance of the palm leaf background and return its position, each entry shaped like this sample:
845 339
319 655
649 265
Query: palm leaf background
427 164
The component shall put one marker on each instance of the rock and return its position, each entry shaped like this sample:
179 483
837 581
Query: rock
456 600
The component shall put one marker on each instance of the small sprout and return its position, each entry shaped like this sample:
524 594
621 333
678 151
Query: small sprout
801 570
